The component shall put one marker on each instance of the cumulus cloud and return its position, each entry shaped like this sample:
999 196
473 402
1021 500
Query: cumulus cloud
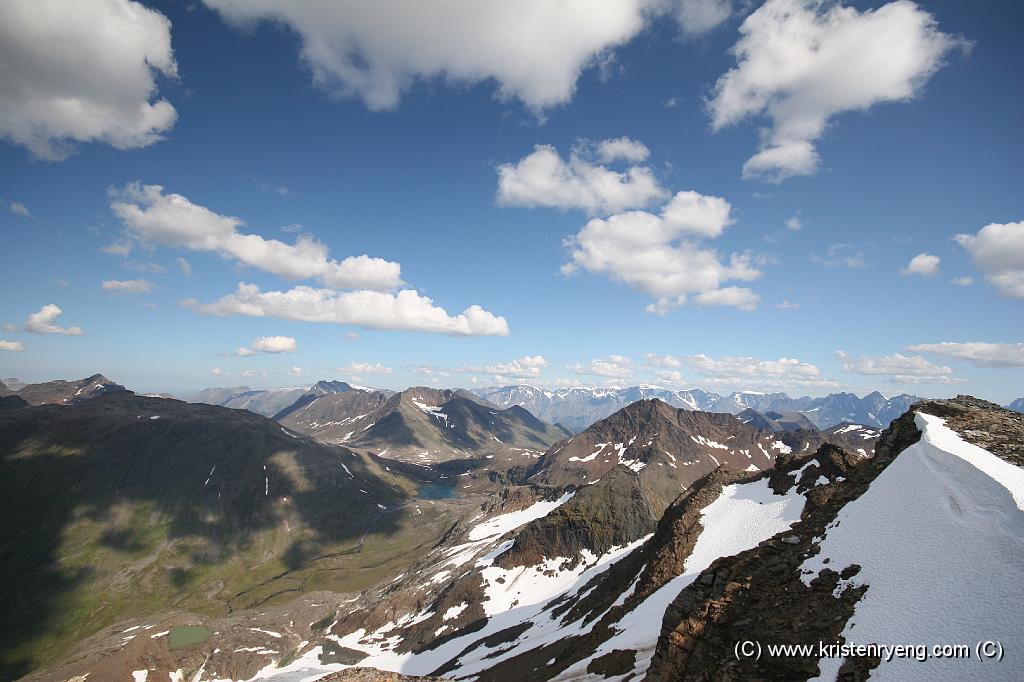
45 322
794 224
295 371
524 367
83 72
616 366
962 281
216 371
924 264
801 62
275 344
532 50
19 208
978 353
841 255
406 310
14 346
669 375
660 255
787 305
696 17
998 251
127 286
367 368
622 149
755 373
351 336
896 364
243 352
670 361
184 266
173 220
544 179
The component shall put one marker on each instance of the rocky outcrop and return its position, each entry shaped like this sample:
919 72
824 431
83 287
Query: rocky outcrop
62 392
759 594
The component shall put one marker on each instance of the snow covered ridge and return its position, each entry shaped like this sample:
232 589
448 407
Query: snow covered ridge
940 513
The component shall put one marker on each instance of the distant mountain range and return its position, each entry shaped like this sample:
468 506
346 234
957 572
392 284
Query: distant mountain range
577 408
1017 405
419 424
269 401
60 392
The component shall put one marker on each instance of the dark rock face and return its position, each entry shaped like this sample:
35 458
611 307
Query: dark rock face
613 512
670 448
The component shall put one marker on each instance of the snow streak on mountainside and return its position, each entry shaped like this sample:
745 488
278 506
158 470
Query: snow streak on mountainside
577 408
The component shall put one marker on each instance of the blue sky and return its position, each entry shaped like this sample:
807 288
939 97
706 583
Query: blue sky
899 131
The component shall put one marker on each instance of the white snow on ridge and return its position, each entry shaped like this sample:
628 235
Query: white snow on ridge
742 516
917 533
503 523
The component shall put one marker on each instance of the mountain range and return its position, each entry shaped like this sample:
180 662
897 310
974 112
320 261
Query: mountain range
577 408
419 424
432 532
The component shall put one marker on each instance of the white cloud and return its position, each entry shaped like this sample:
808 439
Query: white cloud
295 371
83 72
658 255
216 371
616 366
735 297
45 322
669 375
896 364
184 266
794 224
351 336
543 178
700 16
243 352
173 220
801 62
275 344
127 286
754 373
527 366
367 368
406 310
924 264
697 214
962 281
978 353
19 208
15 346
622 149
533 50
841 255
787 305
117 249
750 367
998 251
669 361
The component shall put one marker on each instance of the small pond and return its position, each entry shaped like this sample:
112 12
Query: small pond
435 491
185 636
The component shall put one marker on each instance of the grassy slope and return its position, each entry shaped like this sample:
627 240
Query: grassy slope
107 516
